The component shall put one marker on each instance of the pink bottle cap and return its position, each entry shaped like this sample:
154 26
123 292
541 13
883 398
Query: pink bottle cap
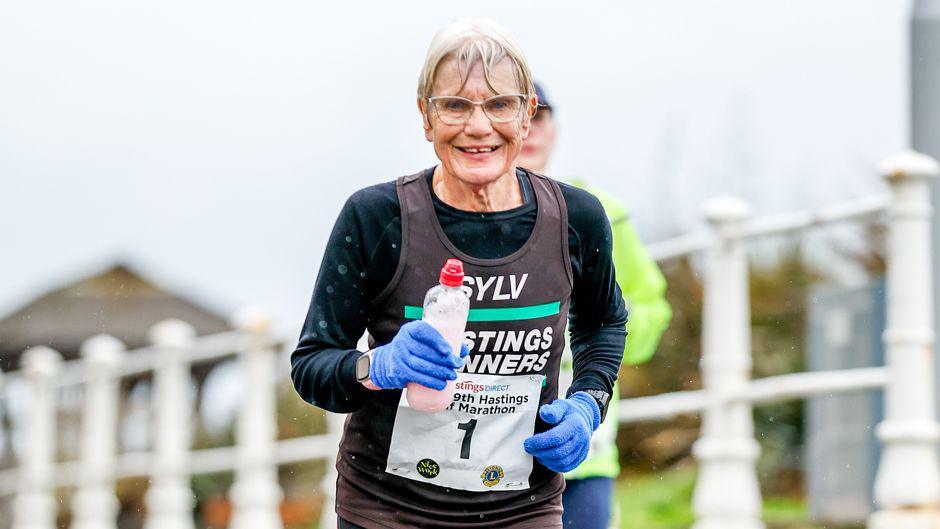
452 273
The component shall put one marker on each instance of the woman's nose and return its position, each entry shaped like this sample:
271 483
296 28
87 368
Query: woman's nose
478 122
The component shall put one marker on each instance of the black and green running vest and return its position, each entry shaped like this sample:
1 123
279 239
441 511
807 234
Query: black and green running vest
518 314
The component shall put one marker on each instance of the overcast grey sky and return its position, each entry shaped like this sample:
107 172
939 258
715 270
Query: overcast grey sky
211 143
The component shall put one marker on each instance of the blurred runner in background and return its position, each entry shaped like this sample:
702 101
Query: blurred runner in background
587 498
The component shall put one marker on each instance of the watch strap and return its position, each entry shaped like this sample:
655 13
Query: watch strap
602 398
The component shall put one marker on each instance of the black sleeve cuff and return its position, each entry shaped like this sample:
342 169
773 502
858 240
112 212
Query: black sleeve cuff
352 387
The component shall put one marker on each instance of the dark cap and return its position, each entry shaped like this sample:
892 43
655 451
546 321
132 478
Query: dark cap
543 99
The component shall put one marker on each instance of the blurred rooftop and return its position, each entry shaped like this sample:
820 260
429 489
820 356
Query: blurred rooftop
118 301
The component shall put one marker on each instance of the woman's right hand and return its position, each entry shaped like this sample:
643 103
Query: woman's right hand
419 354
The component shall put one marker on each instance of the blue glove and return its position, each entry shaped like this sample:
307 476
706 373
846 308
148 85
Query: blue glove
418 353
565 446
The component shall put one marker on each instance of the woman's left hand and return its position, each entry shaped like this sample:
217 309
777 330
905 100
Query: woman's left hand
565 446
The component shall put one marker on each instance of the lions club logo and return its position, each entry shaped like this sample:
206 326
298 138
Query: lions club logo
492 475
428 468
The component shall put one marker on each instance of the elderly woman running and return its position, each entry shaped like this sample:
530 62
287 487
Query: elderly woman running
536 253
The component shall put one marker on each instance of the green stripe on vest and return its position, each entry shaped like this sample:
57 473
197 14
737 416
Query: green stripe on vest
502 314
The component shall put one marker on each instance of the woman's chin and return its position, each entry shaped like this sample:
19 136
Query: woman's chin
480 175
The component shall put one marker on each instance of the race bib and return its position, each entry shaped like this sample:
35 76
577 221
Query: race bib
476 443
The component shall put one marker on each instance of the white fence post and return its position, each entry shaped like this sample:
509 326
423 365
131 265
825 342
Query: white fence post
907 486
727 495
334 427
34 506
95 505
256 494
170 499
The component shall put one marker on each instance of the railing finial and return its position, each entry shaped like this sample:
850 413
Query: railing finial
252 319
909 164
172 333
725 209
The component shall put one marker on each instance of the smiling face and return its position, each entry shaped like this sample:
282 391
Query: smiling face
478 152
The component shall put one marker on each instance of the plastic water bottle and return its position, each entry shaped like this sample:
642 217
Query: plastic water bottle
446 308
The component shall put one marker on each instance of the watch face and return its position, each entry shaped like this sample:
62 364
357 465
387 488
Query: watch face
362 367
601 396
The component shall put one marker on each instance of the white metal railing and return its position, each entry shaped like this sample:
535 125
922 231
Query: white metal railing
255 494
726 495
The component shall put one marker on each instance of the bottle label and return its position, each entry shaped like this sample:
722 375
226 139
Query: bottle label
476 443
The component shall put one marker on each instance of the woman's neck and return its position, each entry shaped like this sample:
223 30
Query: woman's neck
499 195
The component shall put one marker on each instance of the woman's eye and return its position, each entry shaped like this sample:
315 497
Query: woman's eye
455 105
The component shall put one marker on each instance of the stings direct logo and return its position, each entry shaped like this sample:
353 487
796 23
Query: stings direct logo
492 475
428 468
473 387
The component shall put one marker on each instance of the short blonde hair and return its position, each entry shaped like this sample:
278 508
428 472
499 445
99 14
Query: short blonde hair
469 41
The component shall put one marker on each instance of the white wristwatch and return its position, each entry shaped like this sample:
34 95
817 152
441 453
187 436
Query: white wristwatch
363 367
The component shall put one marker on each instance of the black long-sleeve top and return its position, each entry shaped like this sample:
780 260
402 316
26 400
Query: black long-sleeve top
361 257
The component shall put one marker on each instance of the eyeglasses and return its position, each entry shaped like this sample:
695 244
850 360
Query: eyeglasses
456 110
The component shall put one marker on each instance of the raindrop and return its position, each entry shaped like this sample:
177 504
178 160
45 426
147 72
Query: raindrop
322 324
348 238
342 269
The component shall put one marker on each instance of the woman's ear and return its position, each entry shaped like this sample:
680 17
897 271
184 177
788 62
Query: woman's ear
531 106
425 120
